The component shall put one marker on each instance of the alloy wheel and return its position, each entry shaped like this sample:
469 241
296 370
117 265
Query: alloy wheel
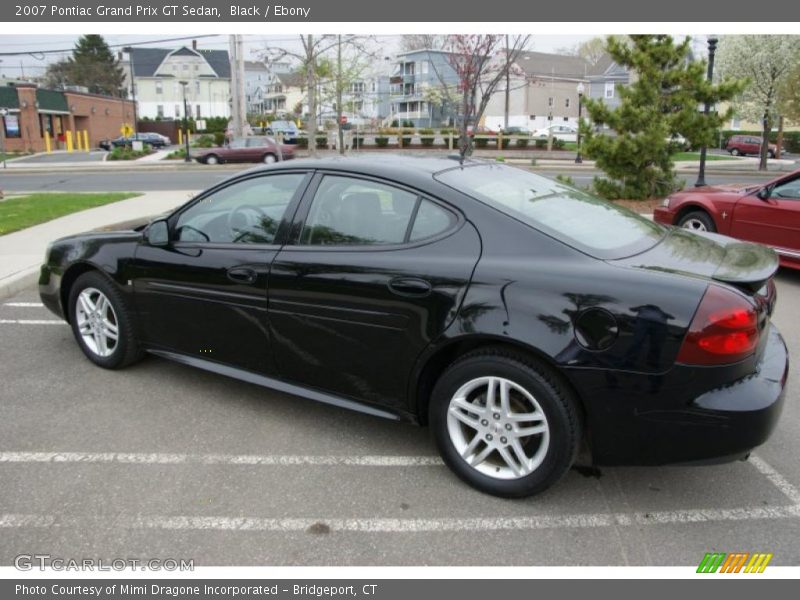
498 428
695 225
97 322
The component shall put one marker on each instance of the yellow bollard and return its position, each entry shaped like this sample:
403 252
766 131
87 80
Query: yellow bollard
68 137
78 141
48 148
180 137
86 140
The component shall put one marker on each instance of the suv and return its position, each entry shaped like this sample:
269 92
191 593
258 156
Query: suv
287 128
741 145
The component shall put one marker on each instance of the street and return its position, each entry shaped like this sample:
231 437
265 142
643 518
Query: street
162 460
199 177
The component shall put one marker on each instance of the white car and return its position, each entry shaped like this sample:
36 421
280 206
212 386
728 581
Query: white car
568 133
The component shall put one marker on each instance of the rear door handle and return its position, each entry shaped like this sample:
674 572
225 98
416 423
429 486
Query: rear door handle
412 287
242 275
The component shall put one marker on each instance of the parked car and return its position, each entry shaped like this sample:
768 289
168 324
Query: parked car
567 133
515 131
154 140
768 214
289 130
245 149
518 317
742 145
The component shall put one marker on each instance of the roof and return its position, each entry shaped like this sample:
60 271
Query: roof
291 79
9 97
254 65
602 65
145 61
558 65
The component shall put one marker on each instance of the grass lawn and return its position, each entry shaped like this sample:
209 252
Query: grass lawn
696 156
8 156
25 211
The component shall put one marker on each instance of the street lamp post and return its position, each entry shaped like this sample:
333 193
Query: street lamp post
129 50
581 89
186 158
712 48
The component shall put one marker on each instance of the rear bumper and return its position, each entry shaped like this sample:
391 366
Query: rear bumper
720 425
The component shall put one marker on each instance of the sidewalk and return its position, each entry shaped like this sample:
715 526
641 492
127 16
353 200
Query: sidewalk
22 252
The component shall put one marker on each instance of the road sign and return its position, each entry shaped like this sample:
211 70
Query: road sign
200 125
126 130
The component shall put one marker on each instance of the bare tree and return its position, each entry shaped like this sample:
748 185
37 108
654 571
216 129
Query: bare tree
591 50
423 41
352 54
480 63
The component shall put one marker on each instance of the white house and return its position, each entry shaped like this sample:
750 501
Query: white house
157 77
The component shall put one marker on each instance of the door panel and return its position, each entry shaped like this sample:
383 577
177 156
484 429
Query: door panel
205 293
774 221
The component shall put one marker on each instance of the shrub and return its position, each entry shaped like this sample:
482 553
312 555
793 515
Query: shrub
358 141
565 179
541 143
219 138
322 141
302 142
521 142
204 141
381 141
504 142
558 144
128 153
481 142
426 137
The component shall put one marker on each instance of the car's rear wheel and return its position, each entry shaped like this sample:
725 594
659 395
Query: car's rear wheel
211 159
269 158
101 322
771 154
697 220
504 423
735 152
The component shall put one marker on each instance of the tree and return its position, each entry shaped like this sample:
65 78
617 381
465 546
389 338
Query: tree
425 41
480 63
591 50
766 61
662 101
92 65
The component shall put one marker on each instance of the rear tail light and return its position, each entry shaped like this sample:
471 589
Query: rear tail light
724 330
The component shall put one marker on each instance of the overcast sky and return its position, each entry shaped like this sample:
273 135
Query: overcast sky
35 64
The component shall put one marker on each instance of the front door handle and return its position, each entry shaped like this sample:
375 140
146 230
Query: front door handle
242 275
412 287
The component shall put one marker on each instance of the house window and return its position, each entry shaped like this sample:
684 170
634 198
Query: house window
425 67
159 87
185 67
566 118
609 91
177 111
550 101
160 111
197 88
197 111
566 103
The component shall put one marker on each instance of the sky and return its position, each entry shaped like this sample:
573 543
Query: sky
34 64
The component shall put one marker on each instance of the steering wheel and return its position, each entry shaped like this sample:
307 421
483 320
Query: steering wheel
242 219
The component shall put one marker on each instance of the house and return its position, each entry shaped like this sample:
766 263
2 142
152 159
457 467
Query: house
415 88
158 73
365 100
282 93
605 78
35 113
255 76
543 89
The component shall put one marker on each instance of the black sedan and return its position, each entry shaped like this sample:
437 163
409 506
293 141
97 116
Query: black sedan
154 140
520 318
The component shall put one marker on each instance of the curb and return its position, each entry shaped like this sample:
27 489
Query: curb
17 282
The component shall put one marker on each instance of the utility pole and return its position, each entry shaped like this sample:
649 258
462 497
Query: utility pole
508 87
339 85
238 108
129 50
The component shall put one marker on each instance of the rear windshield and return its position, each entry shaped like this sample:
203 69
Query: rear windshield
585 222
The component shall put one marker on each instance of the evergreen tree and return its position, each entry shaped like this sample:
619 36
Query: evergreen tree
663 99
92 65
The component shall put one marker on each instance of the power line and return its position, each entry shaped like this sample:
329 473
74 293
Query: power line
122 45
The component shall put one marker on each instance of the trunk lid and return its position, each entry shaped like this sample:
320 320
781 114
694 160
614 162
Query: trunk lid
710 256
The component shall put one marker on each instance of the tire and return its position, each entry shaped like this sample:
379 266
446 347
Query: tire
211 159
549 452
771 154
269 158
735 152
697 220
111 354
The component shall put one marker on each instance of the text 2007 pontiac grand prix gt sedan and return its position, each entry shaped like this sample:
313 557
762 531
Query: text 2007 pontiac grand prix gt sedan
518 317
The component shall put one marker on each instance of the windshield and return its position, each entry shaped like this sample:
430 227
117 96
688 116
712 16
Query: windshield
589 224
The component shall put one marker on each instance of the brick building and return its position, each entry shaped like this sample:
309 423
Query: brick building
32 111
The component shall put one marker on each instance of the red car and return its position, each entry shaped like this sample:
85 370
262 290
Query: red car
768 214
741 145
246 149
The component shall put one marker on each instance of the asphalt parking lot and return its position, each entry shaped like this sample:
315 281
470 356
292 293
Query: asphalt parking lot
164 461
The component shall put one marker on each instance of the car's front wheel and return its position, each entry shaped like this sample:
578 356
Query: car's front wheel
735 152
102 322
504 423
697 220
269 158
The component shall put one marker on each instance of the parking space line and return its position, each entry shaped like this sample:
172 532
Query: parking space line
393 525
24 304
219 459
778 480
31 322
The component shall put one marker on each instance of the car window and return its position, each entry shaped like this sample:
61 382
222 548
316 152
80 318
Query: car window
238 143
431 220
256 142
244 212
587 223
789 189
347 211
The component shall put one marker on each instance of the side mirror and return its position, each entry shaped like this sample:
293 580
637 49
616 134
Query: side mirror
157 233
764 193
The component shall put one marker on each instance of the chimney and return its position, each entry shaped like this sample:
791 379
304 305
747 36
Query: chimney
194 44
